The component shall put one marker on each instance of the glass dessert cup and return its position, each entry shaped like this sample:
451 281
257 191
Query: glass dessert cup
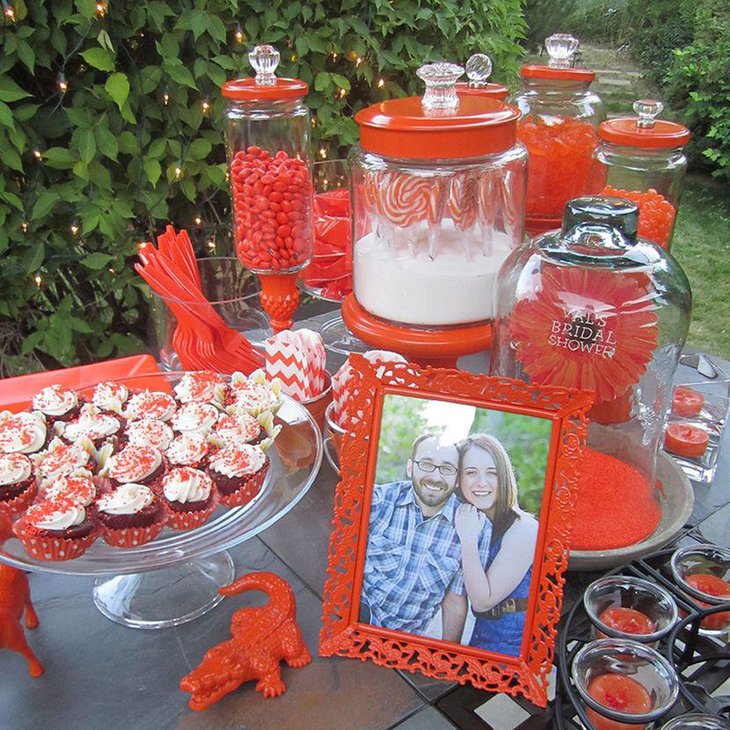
703 573
333 439
624 607
175 578
643 684
696 721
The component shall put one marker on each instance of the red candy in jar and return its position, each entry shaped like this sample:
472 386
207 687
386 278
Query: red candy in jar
267 140
627 621
621 693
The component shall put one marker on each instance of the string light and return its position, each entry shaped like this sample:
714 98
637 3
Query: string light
211 245
37 154
24 226
100 9
293 56
74 228
323 152
239 34
112 271
62 83
206 107
165 98
381 83
9 12
358 61
198 220
334 56
314 122
343 93
178 171
38 280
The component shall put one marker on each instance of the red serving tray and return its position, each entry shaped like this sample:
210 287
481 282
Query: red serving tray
17 393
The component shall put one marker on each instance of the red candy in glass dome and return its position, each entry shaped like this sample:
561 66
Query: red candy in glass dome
621 693
656 213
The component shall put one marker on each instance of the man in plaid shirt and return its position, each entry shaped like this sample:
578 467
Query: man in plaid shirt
413 558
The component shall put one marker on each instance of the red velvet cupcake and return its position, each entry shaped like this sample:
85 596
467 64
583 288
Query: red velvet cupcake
238 429
57 403
131 515
99 427
149 432
22 433
189 498
238 473
110 397
197 417
80 490
189 449
138 464
62 459
203 386
18 486
56 529
253 395
150 404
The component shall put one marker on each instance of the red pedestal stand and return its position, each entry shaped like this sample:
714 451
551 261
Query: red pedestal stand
439 347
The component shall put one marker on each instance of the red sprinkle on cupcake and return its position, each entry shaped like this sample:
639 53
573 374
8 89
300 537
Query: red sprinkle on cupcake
141 464
150 404
203 386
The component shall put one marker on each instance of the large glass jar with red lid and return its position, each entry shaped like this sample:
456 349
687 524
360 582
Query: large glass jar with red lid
478 70
268 144
559 123
438 186
594 307
642 159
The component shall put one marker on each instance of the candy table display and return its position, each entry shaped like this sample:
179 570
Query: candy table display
558 124
642 159
267 142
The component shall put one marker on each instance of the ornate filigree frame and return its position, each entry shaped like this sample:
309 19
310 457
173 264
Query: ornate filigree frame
343 634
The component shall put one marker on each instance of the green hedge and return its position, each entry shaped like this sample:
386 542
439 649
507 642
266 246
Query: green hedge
110 127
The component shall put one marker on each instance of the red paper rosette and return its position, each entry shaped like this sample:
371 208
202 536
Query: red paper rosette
587 329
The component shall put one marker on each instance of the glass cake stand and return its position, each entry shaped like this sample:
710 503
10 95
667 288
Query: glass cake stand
175 578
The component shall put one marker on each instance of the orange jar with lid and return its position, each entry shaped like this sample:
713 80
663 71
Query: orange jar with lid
559 122
642 159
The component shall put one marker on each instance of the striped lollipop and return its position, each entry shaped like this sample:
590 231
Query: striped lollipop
405 200
464 200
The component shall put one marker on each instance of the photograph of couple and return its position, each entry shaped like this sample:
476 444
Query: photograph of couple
450 548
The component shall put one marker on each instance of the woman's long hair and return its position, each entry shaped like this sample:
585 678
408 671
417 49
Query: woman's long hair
506 508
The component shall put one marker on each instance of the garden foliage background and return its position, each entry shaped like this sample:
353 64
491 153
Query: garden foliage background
111 127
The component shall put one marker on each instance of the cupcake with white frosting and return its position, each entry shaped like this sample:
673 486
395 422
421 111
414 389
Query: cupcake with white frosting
189 497
99 427
238 429
138 464
238 472
254 394
203 386
62 459
110 397
150 404
56 529
189 449
57 403
18 486
22 433
78 489
131 515
149 432
199 417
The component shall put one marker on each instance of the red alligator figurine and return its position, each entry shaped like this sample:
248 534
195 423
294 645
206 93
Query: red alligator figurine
262 637
14 599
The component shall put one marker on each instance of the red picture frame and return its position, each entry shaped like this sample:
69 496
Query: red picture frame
345 634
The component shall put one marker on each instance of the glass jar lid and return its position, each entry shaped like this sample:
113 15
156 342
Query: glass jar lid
440 124
561 48
478 70
265 85
644 130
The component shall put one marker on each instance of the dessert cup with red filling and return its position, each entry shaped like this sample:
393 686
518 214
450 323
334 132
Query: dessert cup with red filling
238 472
18 486
131 515
56 529
189 498
138 464
57 403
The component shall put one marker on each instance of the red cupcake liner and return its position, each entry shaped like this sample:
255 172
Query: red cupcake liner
191 519
247 491
20 503
132 536
43 547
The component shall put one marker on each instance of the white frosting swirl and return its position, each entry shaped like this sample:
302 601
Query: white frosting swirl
62 459
237 460
56 514
14 469
149 432
55 400
195 417
133 463
23 433
93 424
110 396
239 428
77 489
126 500
188 448
186 485
151 404
203 386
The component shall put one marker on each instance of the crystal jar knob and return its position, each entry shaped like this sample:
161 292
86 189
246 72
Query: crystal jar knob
647 110
440 79
264 60
561 48
478 70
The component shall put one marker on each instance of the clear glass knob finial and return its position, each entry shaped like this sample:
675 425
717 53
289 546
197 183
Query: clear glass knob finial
264 60
478 70
561 48
440 81
647 110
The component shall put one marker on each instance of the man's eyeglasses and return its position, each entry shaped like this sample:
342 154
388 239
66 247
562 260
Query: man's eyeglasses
446 470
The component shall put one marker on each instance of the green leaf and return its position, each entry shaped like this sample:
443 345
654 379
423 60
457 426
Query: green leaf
6 116
59 158
107 142
98 58
27 55
34 257
87 8
44 204
199 149
10 91
24 112
128 143
322 81
179 74
216 28
117 86
96 261
153 170
87 145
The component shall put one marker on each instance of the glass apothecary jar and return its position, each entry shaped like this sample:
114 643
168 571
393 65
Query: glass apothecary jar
594 307
642 159
438 187
267 136
559 124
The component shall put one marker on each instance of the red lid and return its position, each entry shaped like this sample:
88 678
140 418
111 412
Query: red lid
644 131
266 85
490 91
557 74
